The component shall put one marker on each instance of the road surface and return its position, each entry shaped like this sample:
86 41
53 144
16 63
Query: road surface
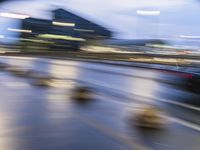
47 118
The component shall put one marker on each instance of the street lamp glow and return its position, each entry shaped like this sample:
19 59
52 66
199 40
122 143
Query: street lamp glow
19 30
190 36
12 15
2 36
148 12
83 30
60 37
63 24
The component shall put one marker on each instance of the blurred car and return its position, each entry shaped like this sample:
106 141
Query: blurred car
193 83
185 80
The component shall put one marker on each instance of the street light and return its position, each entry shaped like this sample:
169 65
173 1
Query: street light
190 36
153 14
12 15
19 30
63 24
148 12
2 36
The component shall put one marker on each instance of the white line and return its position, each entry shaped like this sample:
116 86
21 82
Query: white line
124 140
180 104
15 84
172 119
161 100
183 123
151 98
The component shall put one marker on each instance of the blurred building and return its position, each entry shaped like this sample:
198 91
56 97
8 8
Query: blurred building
65 30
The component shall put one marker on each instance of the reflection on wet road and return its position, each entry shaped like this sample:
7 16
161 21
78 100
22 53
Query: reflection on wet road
39 118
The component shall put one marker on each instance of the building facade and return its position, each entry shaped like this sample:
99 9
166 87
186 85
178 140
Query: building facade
65 31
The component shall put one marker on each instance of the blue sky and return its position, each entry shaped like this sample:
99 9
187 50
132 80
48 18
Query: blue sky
178 17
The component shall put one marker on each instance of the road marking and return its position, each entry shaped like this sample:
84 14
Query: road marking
180 104
163 100
15 84
150 98
187 124
183 123
123 139
164 145
169 101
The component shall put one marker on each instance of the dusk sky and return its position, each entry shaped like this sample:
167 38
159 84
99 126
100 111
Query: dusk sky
177 17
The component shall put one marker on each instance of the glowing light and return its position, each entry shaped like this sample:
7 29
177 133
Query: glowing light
189 36
145 87
63 24
12 15
2 36
148 13
37 41
2 52
104 49
61 37
19 30
169 60
84 30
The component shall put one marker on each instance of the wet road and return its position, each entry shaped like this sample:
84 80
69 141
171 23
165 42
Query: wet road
39 118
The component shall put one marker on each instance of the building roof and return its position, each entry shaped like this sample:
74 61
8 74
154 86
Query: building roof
61 14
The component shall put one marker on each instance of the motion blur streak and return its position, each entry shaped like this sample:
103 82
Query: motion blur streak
115 96
99 75
148 13
63 24
11 15
19 30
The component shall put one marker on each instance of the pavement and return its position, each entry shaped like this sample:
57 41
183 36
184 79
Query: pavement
39 118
